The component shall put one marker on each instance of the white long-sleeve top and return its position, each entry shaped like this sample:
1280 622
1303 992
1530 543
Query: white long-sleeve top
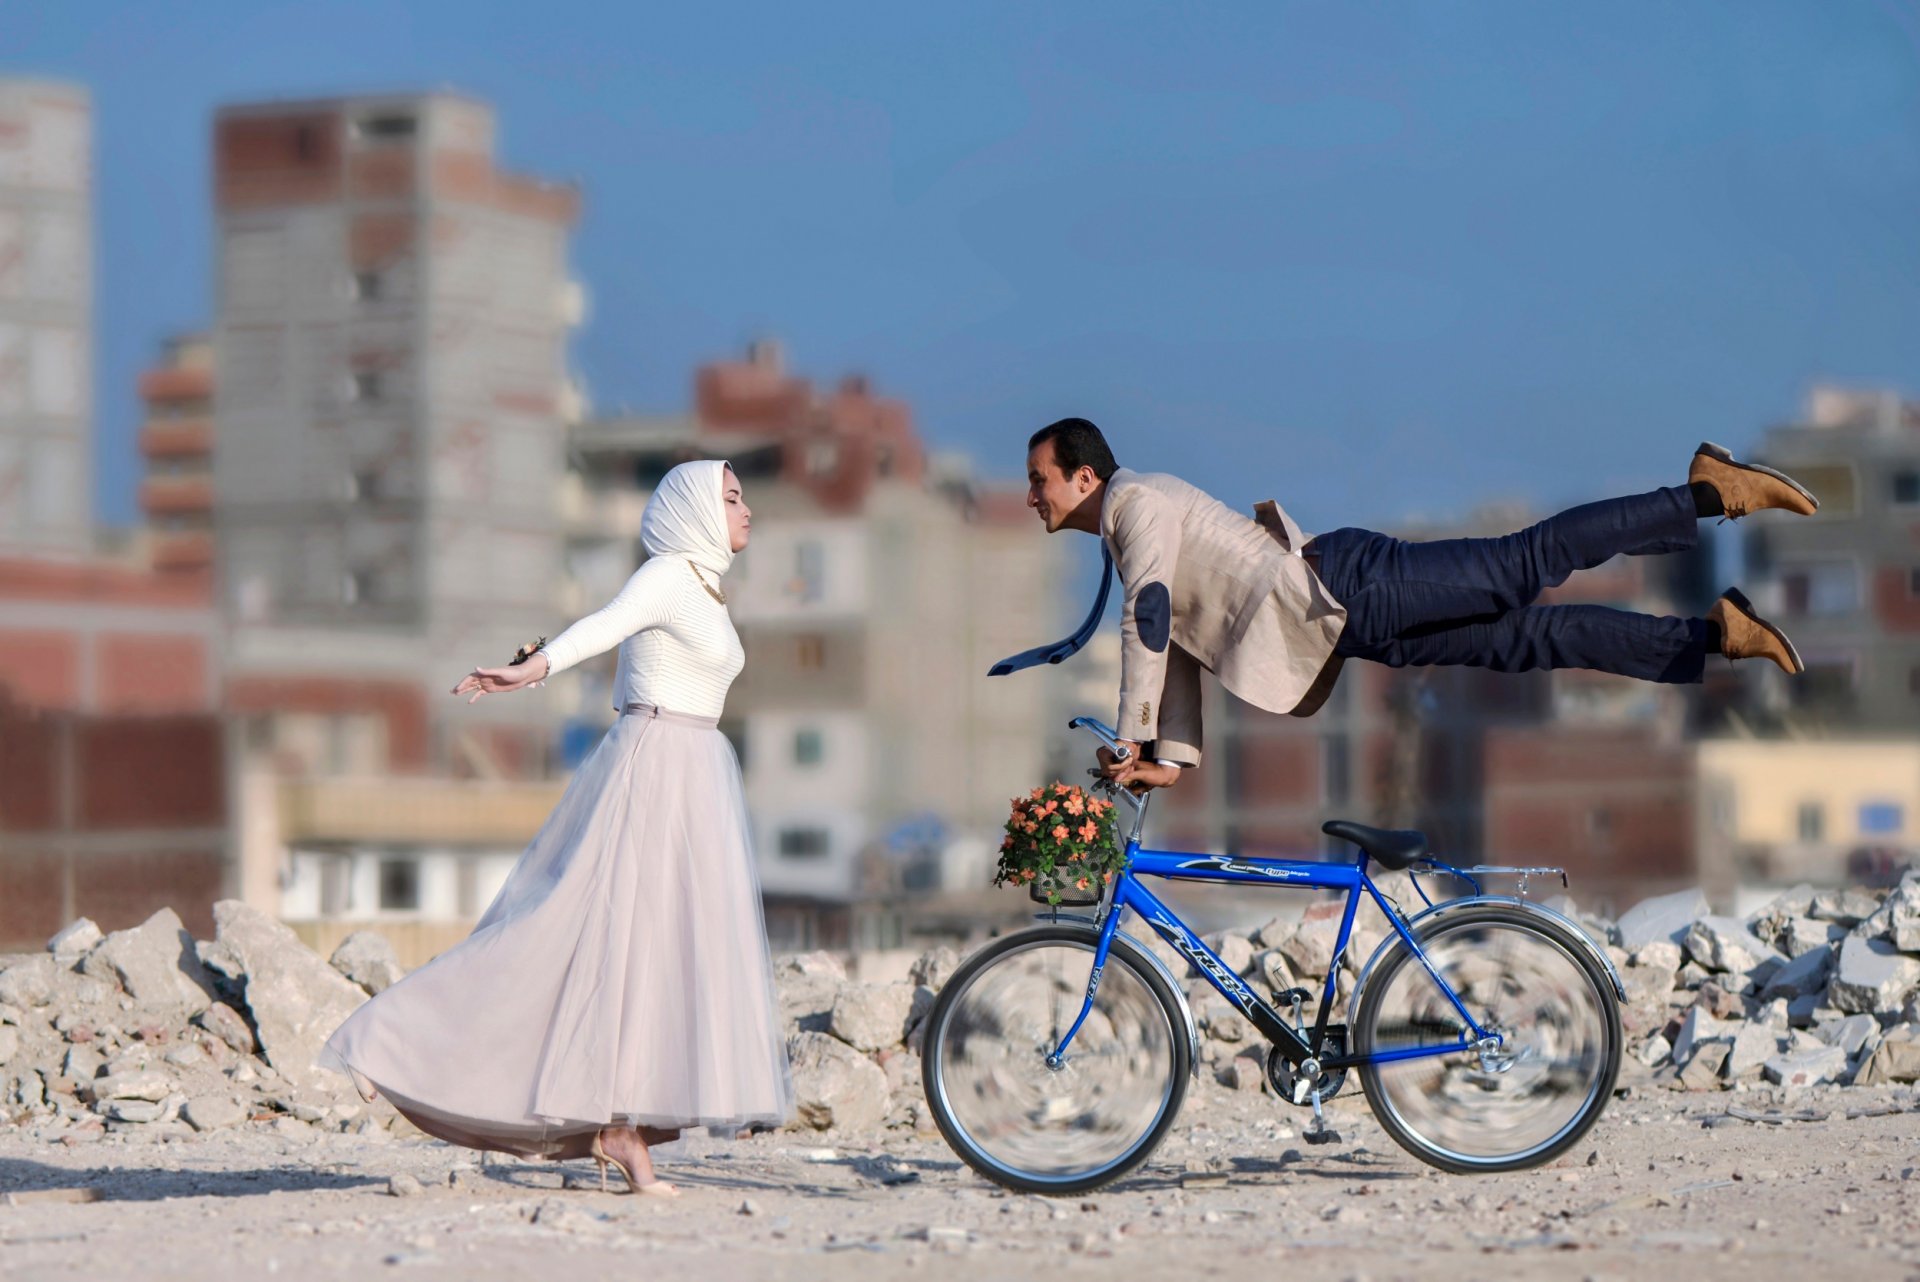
678 649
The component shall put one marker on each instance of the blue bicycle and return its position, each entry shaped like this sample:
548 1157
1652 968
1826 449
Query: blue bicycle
1485 1030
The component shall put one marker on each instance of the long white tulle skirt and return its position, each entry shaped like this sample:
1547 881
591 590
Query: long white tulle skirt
621 975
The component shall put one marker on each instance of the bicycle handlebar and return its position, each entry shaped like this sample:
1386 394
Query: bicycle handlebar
1104 733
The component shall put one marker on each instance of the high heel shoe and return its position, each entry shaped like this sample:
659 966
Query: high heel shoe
652 1188
362 1086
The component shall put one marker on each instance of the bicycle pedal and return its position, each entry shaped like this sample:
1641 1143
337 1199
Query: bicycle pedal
1321 1137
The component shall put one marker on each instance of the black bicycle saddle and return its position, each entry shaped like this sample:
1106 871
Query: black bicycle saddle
1392 848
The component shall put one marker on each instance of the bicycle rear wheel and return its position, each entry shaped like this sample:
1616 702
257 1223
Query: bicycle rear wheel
1523 976
1055 1130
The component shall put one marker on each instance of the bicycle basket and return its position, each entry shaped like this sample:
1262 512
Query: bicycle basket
1069 897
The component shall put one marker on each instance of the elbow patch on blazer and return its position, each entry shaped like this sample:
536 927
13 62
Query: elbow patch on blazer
1153 616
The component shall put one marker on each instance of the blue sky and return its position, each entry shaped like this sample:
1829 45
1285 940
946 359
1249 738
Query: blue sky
1374 260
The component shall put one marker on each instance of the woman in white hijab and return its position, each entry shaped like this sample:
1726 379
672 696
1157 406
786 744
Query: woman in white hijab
618 989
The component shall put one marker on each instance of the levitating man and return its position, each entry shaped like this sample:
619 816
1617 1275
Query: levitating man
1273 614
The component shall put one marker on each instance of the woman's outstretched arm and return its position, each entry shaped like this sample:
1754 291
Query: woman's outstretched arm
647 601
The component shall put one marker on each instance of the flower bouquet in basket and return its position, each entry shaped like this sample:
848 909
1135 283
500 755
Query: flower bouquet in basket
1060 845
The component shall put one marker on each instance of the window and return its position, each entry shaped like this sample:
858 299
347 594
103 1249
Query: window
810 570
1913 581
366 286
387 126
356 586
807 748
1913 682
803 843
1906 487
399 886
1827 682
822 458
304 143
1810 821
362 483
366 385
336 887
1880 818
1600 823
811 651
1822 589
1335 769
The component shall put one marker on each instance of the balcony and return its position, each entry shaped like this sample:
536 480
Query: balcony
400 811
189 551
176 495
179 383
177 438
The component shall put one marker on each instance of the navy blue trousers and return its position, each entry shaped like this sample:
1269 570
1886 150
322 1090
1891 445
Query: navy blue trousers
1470 601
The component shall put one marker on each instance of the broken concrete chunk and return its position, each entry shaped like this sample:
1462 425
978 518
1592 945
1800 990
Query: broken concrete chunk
296 999
835 1086
1799 1069
156 964
367 958
75 938
1871 975
1725 945
1665 917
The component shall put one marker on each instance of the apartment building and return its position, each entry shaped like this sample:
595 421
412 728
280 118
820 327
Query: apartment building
113 769
46 292
1845 582
389 433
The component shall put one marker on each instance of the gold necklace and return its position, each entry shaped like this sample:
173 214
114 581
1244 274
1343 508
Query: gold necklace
712 591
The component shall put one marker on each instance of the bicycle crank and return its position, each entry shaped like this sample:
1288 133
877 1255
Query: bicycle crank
1298 1086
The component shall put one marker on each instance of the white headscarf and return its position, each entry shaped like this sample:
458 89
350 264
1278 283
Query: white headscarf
687 516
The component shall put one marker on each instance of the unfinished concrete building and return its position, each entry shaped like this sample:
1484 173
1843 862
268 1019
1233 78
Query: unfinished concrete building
391 346
46 289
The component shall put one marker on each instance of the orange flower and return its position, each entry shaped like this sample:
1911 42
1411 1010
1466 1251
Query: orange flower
1108 879
1059 832
1089 830
1075 806
1007 842
1052 806
1082 884
1036 794
1031 827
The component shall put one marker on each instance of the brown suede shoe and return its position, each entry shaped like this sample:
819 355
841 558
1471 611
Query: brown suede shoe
1748 487
1745 635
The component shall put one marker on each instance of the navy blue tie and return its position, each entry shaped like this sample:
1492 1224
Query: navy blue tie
1066 649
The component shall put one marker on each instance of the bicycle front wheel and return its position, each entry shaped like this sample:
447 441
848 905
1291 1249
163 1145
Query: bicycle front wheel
1055 1130
1522 976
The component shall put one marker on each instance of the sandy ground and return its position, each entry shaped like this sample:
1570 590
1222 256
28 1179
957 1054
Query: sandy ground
1666 1186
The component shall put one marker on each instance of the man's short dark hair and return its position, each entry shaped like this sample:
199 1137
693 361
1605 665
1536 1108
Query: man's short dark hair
1076 444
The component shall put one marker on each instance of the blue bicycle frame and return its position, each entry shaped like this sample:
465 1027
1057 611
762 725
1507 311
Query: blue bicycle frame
1129 893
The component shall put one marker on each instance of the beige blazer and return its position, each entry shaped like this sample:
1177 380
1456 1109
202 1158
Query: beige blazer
1209 588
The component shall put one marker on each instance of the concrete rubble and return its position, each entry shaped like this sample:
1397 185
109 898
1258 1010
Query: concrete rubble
148 1030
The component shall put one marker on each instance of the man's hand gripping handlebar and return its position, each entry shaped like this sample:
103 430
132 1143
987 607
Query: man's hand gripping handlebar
1120 761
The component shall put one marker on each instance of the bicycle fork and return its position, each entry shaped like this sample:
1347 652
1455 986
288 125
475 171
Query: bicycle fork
1057 1058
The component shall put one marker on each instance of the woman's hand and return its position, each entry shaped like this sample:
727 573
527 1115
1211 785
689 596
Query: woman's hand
500 680
1136 773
